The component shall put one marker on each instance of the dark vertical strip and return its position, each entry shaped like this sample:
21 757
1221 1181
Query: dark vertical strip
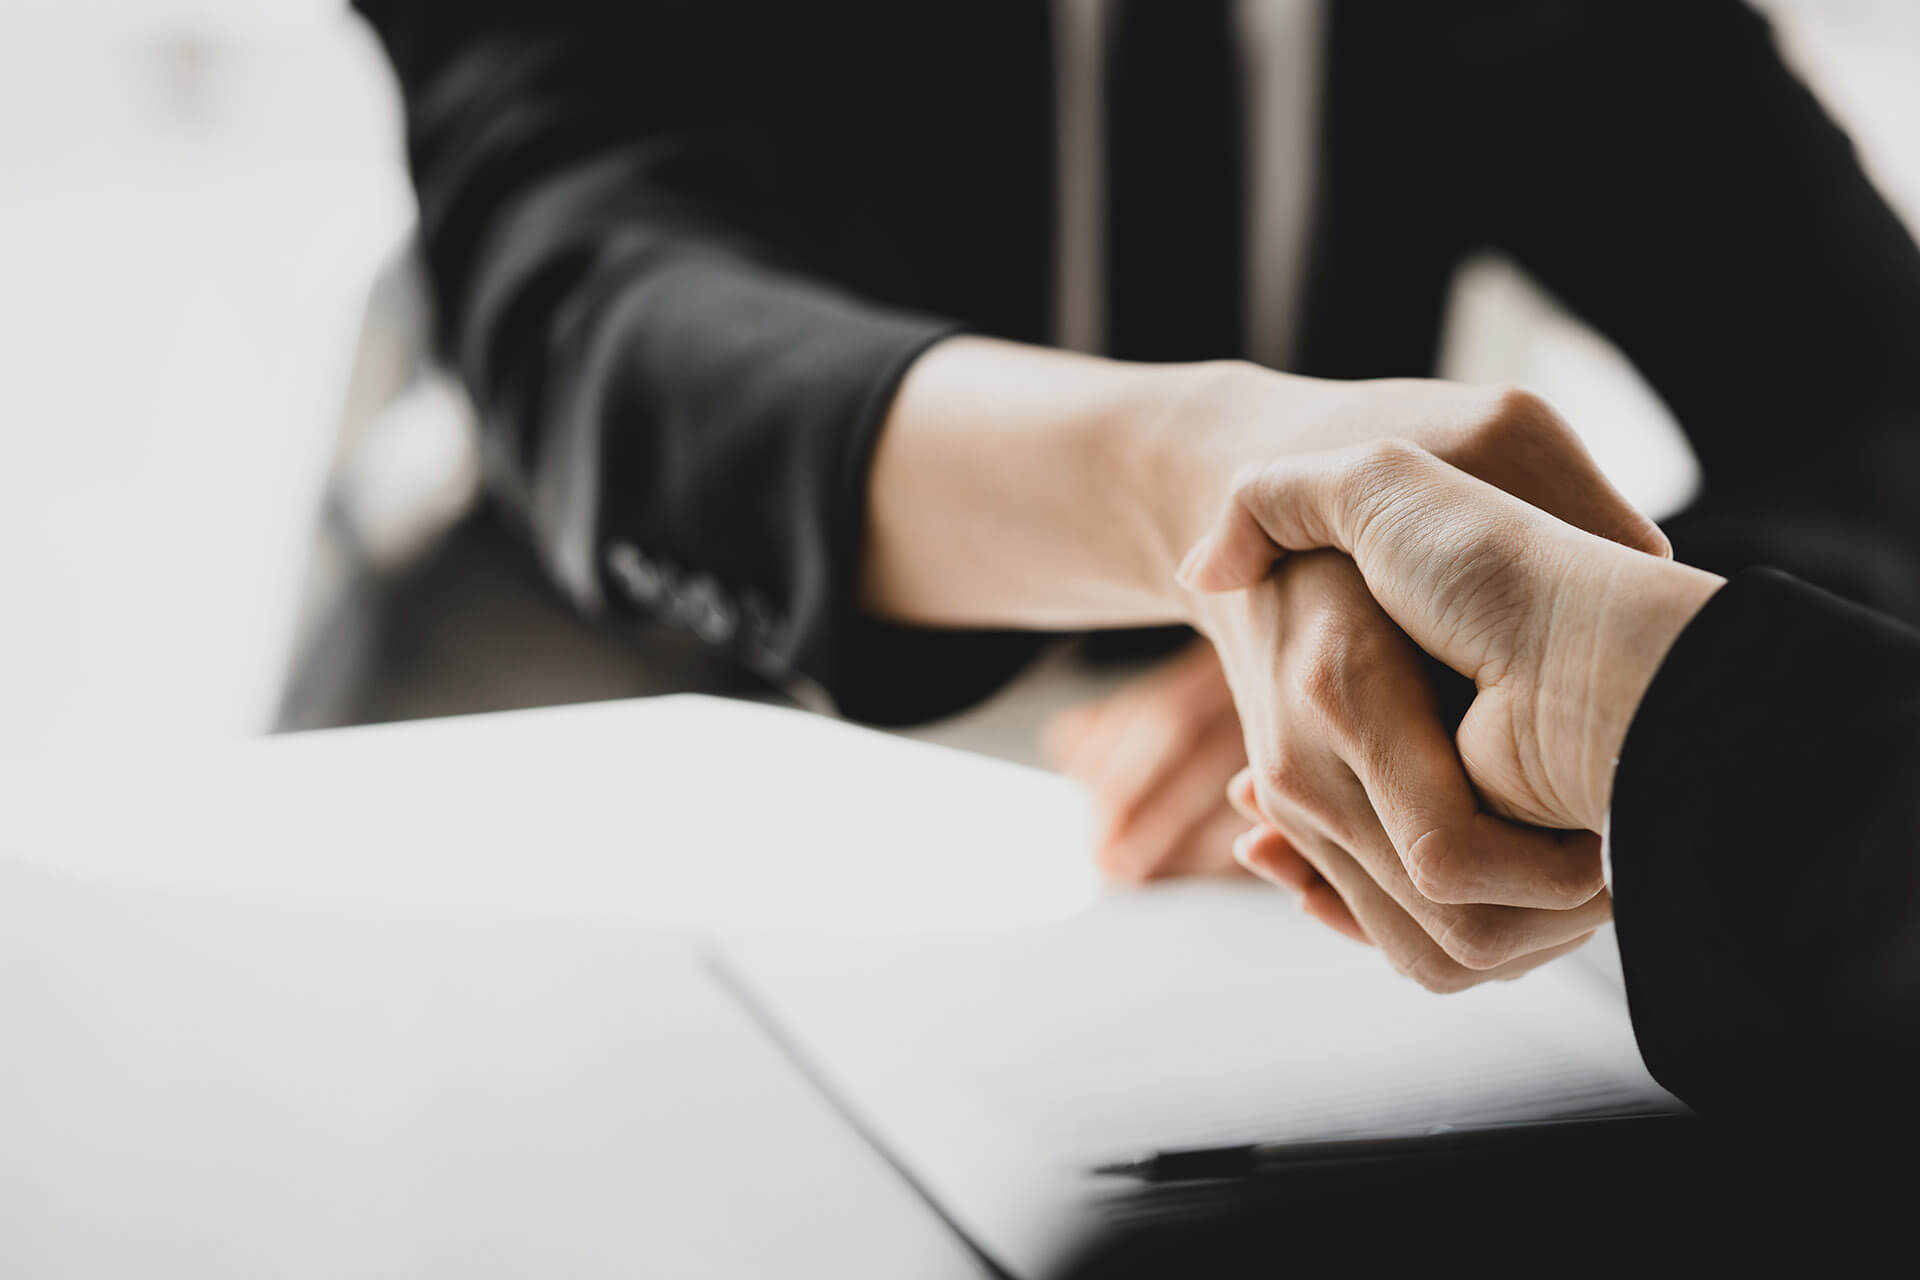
1176 206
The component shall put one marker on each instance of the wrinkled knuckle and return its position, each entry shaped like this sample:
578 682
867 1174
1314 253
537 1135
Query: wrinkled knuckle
1439 869
1340 657
1324 682
1518 412
1375 481
1479 940
1509 420
1581 882
1388 459
1285 778
1386 469
1367 643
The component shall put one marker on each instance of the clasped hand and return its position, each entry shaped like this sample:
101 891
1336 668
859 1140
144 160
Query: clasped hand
1469 852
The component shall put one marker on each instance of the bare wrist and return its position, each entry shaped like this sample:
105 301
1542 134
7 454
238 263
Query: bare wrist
1179 449
1648 604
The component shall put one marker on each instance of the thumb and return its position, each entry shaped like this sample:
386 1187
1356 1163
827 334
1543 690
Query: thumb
1235 553
1437 547
1297 504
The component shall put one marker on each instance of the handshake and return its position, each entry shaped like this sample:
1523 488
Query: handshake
1334 586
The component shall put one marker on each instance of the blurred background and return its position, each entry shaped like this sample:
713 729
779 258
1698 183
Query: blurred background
236 496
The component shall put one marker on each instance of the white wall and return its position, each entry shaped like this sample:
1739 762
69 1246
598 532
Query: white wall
191 200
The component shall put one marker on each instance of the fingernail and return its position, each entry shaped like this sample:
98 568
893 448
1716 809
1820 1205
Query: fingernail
1243 849
1191 564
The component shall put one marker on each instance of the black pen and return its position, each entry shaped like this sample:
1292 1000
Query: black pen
1200 1164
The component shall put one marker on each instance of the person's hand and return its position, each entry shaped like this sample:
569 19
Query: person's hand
1328 879
1560 631
1354 760
1235 422
1014 487
1156 755
1341 726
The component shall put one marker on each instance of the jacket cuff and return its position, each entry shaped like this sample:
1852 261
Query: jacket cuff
1711 881
881 672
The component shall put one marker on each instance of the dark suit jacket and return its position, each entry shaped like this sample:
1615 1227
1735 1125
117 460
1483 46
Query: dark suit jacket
682 252
1766 864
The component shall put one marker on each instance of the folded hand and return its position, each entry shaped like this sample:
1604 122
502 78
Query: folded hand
1560 632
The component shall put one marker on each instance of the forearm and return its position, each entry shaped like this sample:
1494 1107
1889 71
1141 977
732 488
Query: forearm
1016 486
1019 486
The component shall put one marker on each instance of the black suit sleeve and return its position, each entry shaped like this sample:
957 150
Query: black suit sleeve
1766 859
678 403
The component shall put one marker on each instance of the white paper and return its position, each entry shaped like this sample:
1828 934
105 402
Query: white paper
198 1085
998 1068
681 811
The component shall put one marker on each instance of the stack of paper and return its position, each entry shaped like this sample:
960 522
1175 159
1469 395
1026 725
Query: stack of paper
998 1069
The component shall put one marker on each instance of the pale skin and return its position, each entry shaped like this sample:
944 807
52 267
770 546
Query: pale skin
1152 756
1014 486
1561 633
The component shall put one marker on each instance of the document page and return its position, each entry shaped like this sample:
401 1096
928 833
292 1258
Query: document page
224 1086
996 1069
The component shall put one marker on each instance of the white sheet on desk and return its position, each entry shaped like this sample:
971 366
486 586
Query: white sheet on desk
1000 1067
204 1085
683 811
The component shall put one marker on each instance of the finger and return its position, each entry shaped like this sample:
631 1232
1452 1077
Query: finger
1528 963
1423 535
1378 917
1087 760
1205 849
1478 937
1407 945
1538 458
1236 552
1329 806
1065 731
1265 851
1189 685
1152 821
1321 499
1167 725
1306 502
1318 795
1554 472
1324 903
1451 849
1242 796
1199 679
1081 757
